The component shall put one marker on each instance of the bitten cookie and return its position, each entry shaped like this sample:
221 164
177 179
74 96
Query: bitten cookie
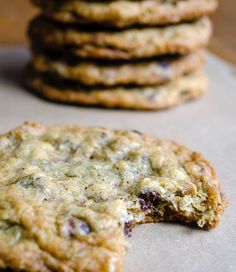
157 97
121 13
88 42
109 73
70 194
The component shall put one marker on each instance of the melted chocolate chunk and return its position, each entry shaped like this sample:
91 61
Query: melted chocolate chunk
77 227
128 229
149 200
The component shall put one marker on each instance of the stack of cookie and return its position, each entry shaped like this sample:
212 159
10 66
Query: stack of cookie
143 54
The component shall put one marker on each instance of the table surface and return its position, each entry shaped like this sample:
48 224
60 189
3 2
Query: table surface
207 125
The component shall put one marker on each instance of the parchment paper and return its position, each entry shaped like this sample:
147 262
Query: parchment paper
207 125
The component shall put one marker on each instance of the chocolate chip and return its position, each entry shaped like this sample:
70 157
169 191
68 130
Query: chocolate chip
184 93
137 132
151 96
128 229
148 200
77 227
164 64
103 135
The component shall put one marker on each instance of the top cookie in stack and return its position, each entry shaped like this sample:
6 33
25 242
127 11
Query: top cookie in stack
143 54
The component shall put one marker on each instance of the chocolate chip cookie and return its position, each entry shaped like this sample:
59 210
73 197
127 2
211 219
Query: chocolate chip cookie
109 73
156 97
87 42
70 194
123 13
